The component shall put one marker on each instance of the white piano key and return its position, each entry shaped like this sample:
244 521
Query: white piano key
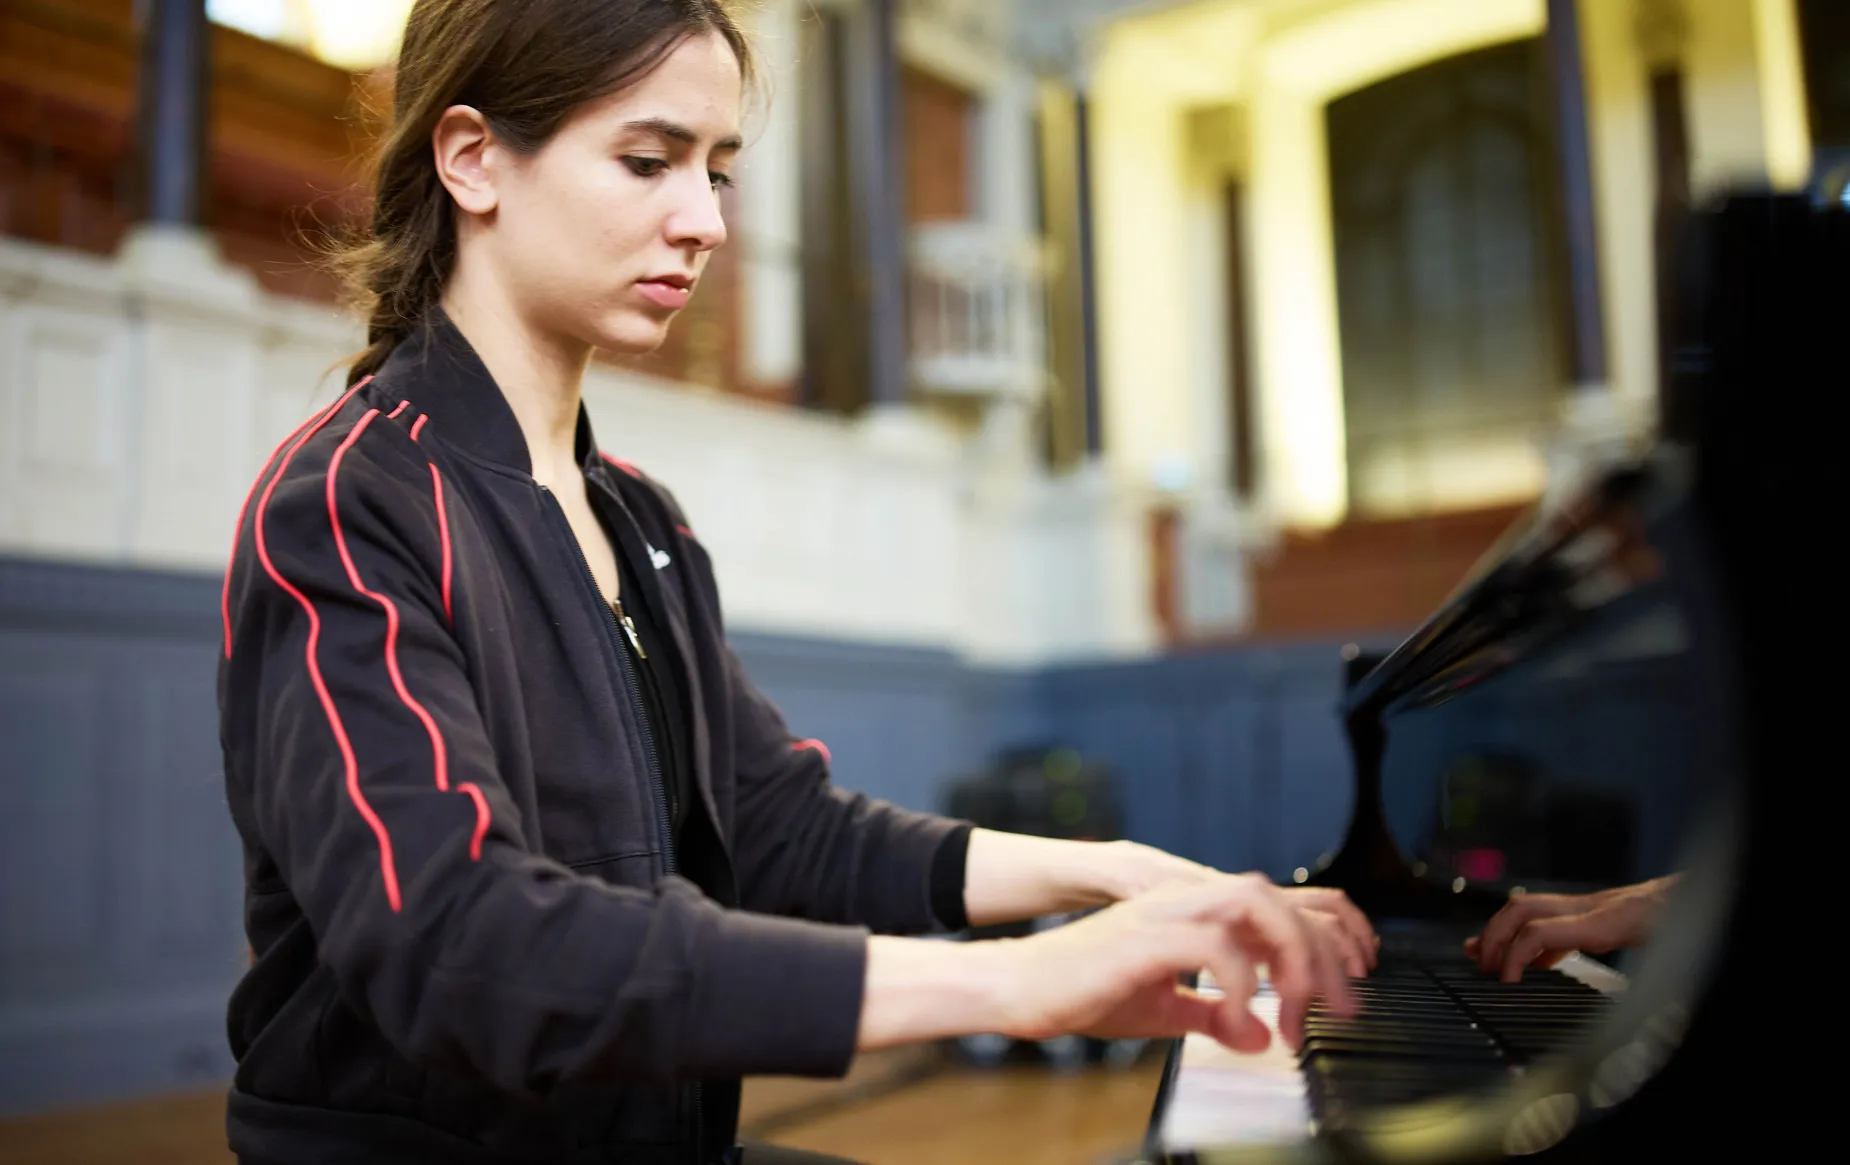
1592 972
1224 1097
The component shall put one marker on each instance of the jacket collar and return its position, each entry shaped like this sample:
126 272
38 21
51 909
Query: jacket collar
439 372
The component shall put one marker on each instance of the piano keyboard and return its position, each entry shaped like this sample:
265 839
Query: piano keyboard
1428 1026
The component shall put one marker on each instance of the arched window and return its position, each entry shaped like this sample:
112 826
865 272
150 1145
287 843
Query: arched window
1449 282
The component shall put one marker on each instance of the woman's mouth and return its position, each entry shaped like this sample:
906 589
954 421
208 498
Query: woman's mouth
668 292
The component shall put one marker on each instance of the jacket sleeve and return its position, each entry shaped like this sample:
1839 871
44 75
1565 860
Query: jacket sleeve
370 782
807 848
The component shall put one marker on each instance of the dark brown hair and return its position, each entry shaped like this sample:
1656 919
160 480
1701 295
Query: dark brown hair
525 65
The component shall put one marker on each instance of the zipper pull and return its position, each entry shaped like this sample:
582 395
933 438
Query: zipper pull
629 627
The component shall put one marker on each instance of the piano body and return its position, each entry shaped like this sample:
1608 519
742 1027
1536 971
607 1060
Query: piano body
1624 688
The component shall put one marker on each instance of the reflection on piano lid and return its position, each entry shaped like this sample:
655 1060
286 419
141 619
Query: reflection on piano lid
1618 690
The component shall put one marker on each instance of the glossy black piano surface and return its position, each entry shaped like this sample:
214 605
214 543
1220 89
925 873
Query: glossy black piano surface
1612 696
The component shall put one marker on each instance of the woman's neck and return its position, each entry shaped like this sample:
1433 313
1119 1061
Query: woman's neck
541 375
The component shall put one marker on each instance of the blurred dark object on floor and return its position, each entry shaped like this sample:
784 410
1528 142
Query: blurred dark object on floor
1044 791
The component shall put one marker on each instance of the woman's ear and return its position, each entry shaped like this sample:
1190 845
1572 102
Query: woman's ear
463 148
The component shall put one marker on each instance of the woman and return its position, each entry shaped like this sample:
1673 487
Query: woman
533 872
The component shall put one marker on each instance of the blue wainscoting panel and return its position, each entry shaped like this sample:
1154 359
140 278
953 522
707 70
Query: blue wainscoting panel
1235 757
119 870
898 721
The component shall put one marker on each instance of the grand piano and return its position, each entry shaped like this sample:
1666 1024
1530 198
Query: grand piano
1638 679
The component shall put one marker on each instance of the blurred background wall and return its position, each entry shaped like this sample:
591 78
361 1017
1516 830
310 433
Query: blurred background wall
1080 372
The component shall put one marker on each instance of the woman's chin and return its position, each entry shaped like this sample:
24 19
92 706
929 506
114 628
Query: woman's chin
634 333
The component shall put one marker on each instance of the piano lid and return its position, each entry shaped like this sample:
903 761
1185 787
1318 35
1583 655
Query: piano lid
1541 730
1629 684
1546 731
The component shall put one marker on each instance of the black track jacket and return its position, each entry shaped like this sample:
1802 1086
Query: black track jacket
475 940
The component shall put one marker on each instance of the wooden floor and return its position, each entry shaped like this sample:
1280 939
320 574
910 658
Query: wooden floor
1024 1116
1027 1116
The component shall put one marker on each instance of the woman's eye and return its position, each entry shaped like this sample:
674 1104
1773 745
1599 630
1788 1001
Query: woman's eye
645 167
719 181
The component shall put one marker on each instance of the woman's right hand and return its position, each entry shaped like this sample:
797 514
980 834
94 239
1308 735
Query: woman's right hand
1113 973
1541 928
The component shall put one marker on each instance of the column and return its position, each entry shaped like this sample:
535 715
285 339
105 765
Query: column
876 176
1093 411
171 120
1662 29
1587 339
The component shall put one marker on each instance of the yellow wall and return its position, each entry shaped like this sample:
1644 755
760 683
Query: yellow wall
1280 62
1139 176
1619 138
1155 248
1283 64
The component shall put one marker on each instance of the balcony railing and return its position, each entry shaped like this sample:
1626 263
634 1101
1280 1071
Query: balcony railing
978 311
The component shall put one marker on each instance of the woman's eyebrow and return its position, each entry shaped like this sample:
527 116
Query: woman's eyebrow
680 133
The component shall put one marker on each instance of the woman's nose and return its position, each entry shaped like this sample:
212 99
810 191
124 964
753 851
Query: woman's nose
698 223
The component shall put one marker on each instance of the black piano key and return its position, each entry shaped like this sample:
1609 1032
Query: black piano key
1383 1011
1391 1049
1374 1092
1431 1025
1355 1081
1407 1036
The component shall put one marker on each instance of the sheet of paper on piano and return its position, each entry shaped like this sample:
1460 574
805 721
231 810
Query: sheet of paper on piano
1224 1097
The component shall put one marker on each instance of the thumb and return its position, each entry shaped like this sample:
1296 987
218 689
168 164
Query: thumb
1238 1028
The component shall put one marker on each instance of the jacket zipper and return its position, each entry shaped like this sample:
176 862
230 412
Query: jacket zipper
629 628
630 690
615 619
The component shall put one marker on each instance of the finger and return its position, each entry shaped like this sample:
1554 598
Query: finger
1502 927
1292 1011
1540 936
1241 1030
1472 945
1347 951
1234 1024
1353 921
1331 984
1358 953
1161 1011
1280 935
1338 996
1295 967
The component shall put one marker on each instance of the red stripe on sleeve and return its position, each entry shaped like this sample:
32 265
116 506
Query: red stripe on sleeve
440 758
224 598
443 533
621 464
386 868
817 745
482 818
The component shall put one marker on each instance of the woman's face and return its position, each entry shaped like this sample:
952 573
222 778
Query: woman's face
601 236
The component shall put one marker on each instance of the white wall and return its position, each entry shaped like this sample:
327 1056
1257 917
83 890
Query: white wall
139 396
770 202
